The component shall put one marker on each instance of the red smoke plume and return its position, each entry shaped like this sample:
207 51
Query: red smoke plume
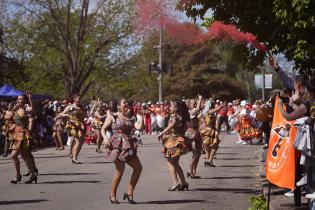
219 30
152 14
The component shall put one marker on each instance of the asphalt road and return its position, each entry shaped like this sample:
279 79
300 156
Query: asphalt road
64 186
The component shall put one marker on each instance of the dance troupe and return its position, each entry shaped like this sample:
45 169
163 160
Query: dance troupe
191 125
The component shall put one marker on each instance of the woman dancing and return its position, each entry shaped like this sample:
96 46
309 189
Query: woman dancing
97 125
174 143
209 134
193 135
75 127
8 118
21 138
121 148
58 129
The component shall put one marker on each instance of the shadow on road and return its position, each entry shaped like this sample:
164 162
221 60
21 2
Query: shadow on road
173 201
5 162
230 177
68 174
239 166
56 156
235 158
22 201
103 162
68 182
233 190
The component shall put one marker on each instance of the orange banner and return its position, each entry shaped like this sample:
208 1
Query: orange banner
280 163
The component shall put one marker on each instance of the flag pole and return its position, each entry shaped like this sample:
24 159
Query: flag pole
268 198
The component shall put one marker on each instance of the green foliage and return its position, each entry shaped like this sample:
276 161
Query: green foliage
258 202
286 26
62 43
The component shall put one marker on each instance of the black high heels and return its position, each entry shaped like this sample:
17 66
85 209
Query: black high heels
113 201
212 165
207 163
16 179
129 198
192 176
98 151
31 180
184 187
29 173
177 187
76 162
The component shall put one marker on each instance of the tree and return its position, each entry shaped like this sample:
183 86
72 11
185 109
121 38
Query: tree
286 26
11 71
64 40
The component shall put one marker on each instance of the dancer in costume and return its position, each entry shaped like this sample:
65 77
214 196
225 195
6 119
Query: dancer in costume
208 132
58 129
75 127
8 119
121 148
21 139
173 141
97 125
194 137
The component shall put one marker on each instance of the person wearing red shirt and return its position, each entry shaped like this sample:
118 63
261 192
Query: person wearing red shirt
223 117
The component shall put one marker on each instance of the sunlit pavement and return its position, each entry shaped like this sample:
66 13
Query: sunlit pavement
64 186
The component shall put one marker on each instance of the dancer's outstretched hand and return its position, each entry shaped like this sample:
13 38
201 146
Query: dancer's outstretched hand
108 145
160 136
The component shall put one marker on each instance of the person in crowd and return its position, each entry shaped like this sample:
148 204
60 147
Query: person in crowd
121 148
173 141
147 119
194 137
21 139
223 118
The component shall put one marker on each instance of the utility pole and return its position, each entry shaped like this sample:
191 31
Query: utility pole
160 78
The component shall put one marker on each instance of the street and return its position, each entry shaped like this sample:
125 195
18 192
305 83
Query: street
64 186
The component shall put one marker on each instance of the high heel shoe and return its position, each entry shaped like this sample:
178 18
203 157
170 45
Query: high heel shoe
27 173
177 187
31 179
36 171
76 162
129 198
189 175
16 179
211 164
184 187
98 151
115 201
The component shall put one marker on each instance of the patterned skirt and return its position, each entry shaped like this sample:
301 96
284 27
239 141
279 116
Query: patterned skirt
6 130
21 138
124 147
247 130
194 140
74 129
174 145
210 136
